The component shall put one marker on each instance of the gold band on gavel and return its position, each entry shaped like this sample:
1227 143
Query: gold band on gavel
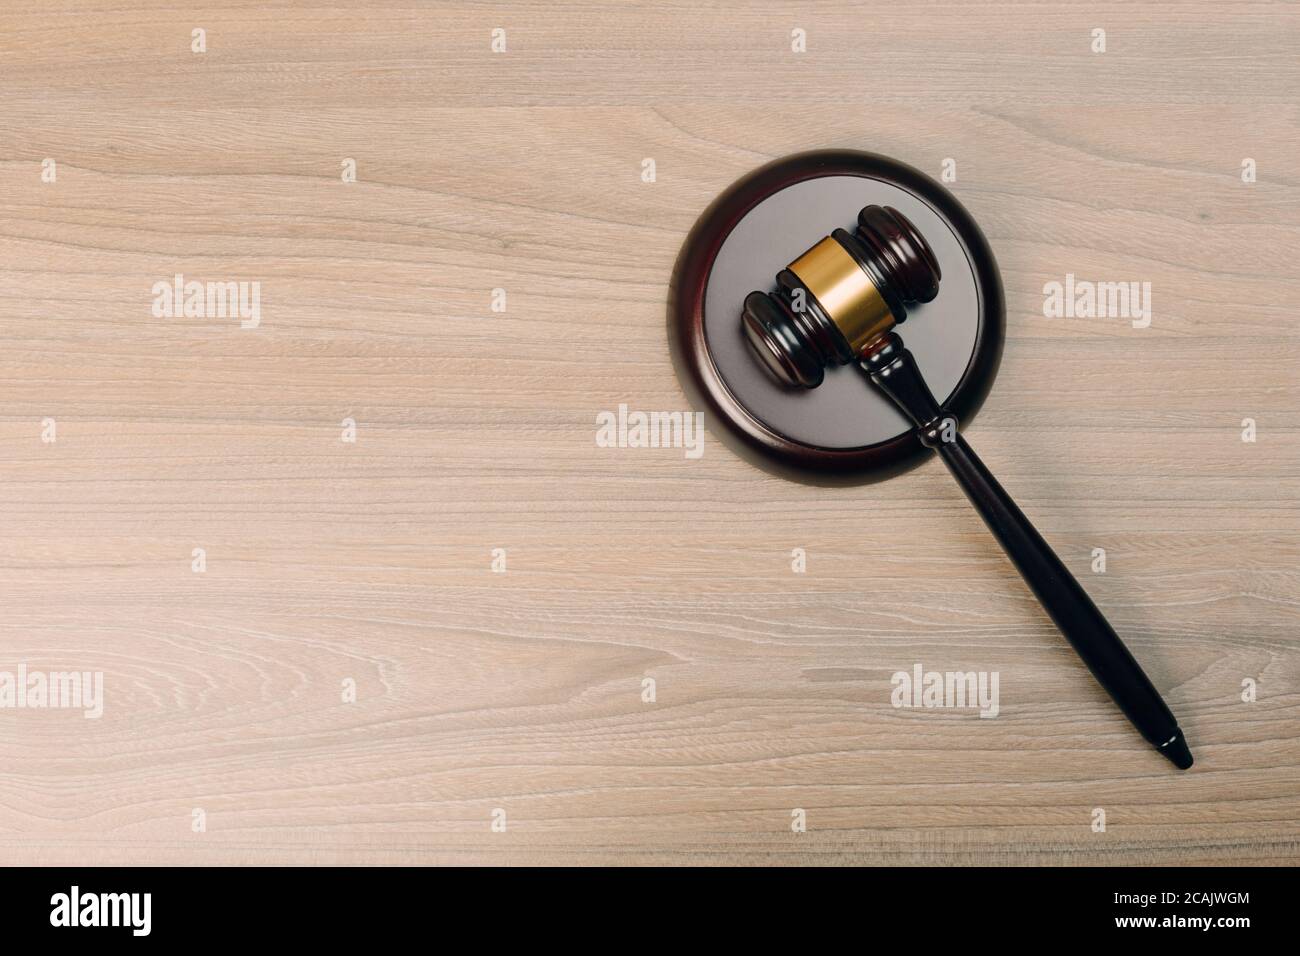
845 292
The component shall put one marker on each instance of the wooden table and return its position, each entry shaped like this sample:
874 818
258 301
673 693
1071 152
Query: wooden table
520 698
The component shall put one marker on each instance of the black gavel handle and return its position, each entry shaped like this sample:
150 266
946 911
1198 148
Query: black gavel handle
892 369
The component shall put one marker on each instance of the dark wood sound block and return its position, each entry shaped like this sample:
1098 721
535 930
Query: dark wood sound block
843 431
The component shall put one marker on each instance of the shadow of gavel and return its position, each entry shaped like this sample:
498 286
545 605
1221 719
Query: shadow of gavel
840 302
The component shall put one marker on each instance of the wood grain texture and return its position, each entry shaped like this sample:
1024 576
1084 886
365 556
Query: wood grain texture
522 691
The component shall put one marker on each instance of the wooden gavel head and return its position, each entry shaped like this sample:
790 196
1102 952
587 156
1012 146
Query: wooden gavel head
841 297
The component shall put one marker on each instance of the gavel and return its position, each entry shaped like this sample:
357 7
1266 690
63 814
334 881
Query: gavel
841 302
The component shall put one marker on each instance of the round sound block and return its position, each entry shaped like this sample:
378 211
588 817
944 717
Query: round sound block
844 431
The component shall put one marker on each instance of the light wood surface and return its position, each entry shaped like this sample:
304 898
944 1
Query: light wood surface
328 561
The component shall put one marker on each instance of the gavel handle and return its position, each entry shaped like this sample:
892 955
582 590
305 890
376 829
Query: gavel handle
892 369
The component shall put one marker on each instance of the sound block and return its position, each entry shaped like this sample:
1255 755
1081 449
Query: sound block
842 432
